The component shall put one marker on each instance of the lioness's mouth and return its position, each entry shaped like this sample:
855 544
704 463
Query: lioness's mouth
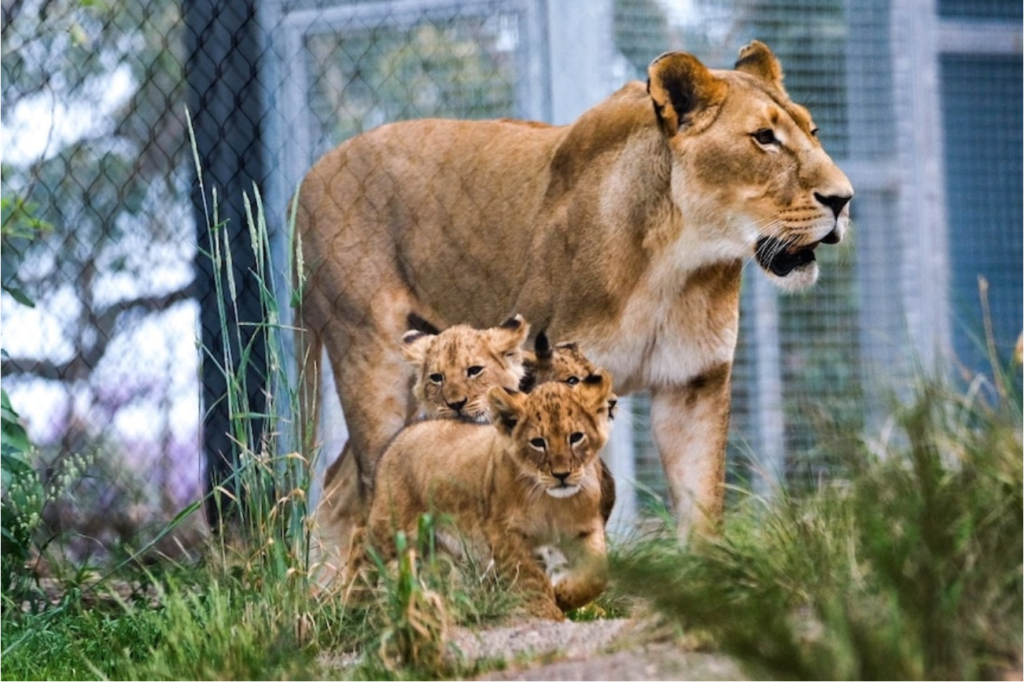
781 258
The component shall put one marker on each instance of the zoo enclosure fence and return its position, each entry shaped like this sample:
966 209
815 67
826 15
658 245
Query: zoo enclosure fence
918 100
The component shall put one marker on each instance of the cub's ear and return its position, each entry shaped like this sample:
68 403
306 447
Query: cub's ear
506 408
418 323
684 91
510 336
596 390
414 346
531 365
542 346
758 60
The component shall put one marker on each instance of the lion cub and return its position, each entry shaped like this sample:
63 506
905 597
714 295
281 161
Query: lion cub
529 479
564 362
454 369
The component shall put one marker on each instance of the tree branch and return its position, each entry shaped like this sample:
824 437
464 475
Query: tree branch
81 365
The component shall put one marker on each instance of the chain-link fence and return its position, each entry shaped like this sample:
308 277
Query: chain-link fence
108 294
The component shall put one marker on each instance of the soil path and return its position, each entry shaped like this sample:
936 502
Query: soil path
602 650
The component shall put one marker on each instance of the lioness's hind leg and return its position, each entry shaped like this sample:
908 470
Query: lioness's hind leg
338 515
373 381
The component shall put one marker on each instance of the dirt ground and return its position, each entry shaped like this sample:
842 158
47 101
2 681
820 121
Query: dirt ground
602 650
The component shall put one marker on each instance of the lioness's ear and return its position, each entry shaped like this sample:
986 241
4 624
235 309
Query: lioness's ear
758 60
414 346
682 90
511 335
506 408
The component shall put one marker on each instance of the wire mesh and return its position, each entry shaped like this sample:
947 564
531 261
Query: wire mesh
101 232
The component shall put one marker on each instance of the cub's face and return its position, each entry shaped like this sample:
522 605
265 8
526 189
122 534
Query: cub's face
750 155
453 370
557 431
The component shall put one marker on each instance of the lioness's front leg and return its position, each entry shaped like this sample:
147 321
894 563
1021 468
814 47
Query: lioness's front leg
691 426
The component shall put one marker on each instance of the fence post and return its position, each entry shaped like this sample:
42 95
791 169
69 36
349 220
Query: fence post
224 97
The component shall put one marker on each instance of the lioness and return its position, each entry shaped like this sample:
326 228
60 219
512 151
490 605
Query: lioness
625 231
528 481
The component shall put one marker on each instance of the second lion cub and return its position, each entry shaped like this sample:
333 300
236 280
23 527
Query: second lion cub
530 479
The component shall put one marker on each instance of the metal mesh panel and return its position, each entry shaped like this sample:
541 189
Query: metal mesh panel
362 77
981 98
980 9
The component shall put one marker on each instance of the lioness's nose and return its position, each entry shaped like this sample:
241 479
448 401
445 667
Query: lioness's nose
456 405
835 202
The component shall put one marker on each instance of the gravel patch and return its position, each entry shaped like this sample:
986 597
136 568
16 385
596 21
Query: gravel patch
537 639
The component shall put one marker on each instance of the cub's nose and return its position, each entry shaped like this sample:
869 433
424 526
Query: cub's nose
561 476
834 202
456 405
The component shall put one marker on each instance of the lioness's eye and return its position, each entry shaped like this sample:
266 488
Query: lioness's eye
538 443
474 371
814 132
575 437
765 137
572 380
436 377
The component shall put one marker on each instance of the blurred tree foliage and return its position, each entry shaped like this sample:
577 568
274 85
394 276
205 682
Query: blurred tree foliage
101 84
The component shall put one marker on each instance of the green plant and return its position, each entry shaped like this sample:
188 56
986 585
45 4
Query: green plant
22 499
25 496
417 619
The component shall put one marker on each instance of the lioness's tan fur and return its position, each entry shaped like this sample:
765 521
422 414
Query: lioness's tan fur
625 231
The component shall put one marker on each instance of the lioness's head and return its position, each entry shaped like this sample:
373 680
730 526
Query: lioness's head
557 430
747 163
454 369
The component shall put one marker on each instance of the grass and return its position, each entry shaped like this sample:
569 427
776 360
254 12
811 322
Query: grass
905 566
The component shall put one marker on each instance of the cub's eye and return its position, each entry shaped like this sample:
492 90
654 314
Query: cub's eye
436 377
474 371
575 437
538 443
765 137
814 132
572 380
